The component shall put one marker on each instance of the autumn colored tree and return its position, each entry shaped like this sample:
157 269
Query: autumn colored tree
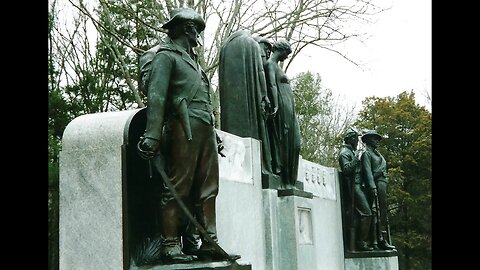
407 148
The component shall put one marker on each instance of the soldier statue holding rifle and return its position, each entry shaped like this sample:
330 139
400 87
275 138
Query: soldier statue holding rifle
374 172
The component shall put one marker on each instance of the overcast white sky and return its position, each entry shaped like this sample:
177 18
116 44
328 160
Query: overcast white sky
396 57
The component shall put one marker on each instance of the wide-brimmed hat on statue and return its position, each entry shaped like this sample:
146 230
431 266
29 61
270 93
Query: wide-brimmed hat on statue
370 133
350 133
179 15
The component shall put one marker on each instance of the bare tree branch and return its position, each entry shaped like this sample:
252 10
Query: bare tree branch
305 23
100 27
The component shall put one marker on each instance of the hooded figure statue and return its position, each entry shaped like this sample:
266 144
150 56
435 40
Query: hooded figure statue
244 101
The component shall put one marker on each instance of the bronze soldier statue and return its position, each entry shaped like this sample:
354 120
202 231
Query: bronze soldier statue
180 126
360 214
374 172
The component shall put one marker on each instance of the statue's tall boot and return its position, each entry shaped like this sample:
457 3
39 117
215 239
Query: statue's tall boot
373 232
171 250
382 202
383 244
191 240
381 236
362 234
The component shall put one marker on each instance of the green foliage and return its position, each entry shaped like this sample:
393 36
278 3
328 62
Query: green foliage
407 147
320 125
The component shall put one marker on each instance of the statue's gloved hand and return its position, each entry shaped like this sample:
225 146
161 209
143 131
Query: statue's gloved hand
147 147
374 192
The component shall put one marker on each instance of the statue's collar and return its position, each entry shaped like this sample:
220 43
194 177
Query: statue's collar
179 48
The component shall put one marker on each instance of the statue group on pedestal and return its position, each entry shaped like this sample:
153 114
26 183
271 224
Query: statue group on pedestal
364 178
257 101
180 141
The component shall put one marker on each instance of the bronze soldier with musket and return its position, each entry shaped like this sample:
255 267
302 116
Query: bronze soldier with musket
374 172
360 213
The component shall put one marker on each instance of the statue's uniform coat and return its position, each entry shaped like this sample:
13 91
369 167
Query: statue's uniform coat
191 166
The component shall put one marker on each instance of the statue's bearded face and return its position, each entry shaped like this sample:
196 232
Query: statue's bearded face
372 141
193 34
353 141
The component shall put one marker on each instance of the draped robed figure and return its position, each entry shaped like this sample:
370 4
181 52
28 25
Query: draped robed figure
243 92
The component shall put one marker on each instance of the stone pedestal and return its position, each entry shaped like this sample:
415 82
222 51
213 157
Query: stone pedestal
296 238
239 265
240 217
289 229
107 201
92 207
107 198
271 181
322 182
381 260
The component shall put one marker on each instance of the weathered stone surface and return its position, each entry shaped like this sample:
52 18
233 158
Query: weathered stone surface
318 179
239 265
377 263
91 217
270 229
240 218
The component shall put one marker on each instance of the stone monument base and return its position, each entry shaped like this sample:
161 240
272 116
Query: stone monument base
294 192
273 181
379 260
224 265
